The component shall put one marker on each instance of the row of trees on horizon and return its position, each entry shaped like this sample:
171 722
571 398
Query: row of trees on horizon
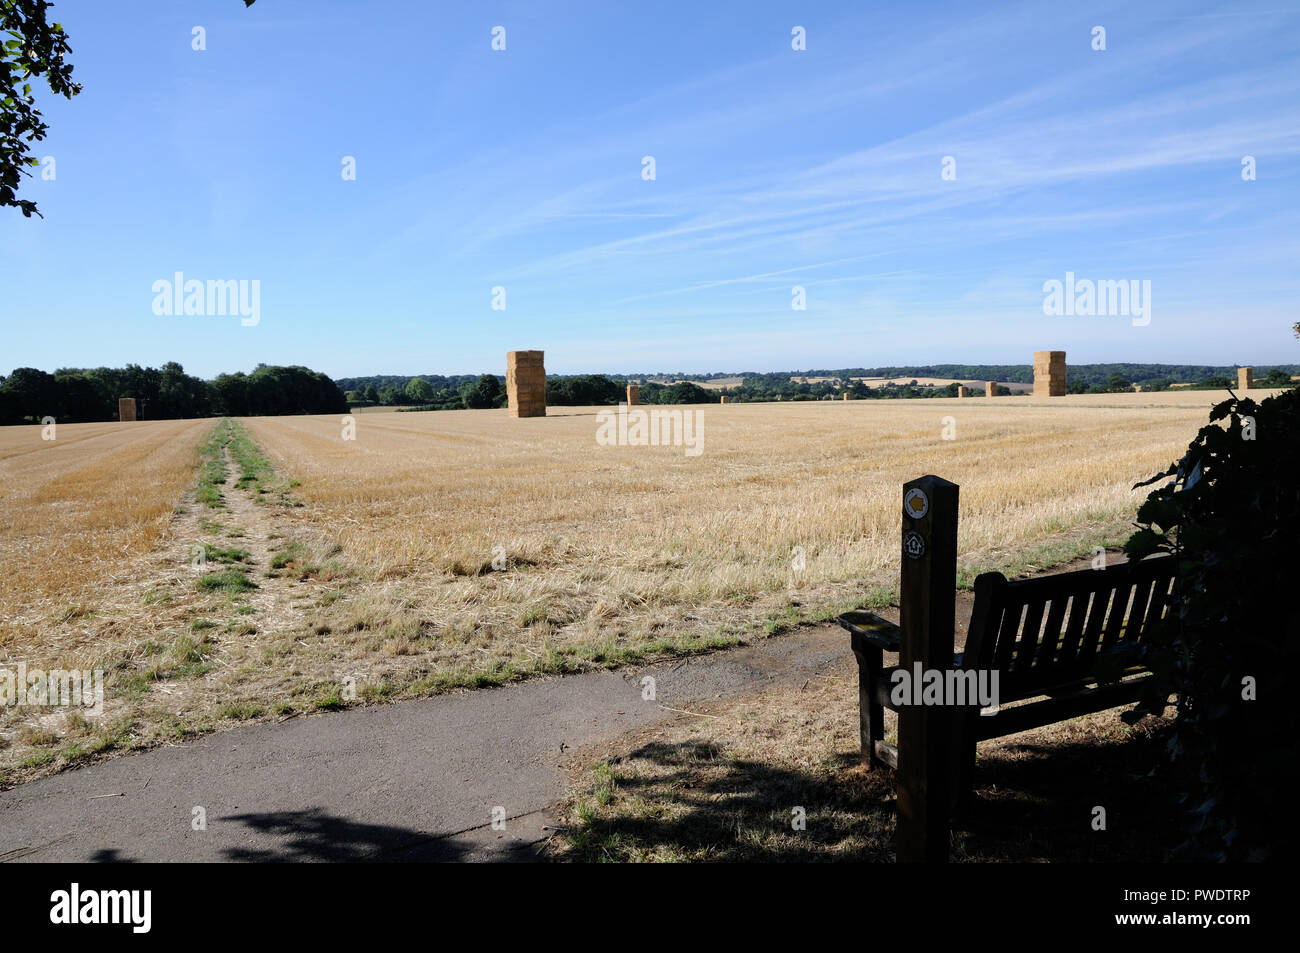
78 395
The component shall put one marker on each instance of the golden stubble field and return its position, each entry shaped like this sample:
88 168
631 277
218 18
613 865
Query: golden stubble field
461 548
79 509
616 546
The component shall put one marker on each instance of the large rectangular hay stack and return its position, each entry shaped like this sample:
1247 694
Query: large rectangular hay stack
633 395
1049 373
526 383
961 390
1245 378
126 409
990 388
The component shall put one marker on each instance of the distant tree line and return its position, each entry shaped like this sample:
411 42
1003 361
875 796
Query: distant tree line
461 391
458 392
426 392
682 392
75 395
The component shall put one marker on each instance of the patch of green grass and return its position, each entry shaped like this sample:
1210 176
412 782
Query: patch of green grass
104 739
242 711
291 561
212 467
329 597
38 759
532 616
289 555
279 650
78 611
190 670
255 470
603 775
611 654
228 581
157 597
216 555
188 651
198 625
330 699
788 618
180 728
566 659
130 684
186 658
378 691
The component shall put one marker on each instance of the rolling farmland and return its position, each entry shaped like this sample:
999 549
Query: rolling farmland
463 548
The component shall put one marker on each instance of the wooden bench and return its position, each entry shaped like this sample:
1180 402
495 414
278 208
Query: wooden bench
1042 636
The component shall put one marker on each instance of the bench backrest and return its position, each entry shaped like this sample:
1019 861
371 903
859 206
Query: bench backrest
1048 631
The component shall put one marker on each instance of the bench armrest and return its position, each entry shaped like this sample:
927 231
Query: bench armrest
876 631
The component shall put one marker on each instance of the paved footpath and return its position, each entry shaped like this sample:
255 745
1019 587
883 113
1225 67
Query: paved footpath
408 781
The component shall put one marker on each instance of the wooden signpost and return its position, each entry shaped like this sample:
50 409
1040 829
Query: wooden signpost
928 581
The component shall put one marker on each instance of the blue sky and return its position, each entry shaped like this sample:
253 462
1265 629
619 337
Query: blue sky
522 169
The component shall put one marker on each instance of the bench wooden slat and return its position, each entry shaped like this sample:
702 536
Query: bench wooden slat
1137 613
1004 643
1117 616
1027 644
985 618
1079 604
1092 631
1159 603
1050 646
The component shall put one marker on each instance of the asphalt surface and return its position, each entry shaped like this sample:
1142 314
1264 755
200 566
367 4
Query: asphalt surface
409 781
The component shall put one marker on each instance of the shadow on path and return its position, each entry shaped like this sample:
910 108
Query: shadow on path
314 835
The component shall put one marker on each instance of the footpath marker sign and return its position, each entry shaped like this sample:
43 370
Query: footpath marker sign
928 581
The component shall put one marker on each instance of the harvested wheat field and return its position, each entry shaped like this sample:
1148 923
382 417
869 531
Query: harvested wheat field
78 511
465 548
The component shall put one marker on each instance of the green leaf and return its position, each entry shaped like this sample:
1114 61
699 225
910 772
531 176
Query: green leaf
1143 543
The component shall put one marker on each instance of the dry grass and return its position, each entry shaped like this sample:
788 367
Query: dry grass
725 788
618 547
80 511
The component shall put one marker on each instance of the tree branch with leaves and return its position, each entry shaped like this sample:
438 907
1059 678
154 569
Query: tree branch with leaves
30 47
